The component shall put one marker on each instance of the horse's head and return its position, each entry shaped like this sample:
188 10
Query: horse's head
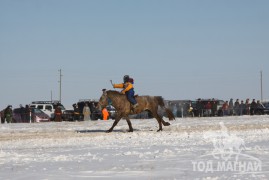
103 101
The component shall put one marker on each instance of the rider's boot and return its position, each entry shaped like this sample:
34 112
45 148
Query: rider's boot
134 106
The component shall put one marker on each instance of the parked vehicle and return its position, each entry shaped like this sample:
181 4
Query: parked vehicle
112 111
262 109
36 116
95 112
68 115
265 104
178 107
47 107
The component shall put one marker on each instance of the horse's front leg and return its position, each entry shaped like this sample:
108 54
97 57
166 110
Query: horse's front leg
117 119
129 124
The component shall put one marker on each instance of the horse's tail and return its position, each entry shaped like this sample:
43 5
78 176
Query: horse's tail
169 113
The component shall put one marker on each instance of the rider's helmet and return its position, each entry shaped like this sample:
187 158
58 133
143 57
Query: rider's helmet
125 78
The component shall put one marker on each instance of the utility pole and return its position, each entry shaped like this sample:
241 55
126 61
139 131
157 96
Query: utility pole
261 88
60 82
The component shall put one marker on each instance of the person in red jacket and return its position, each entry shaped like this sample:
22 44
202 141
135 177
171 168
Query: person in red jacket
58 114
105 114
208 107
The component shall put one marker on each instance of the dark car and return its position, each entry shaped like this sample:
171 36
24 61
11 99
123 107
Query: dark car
68 115
262 109
266 104
36 115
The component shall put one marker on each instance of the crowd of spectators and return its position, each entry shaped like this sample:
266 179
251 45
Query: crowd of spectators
224 108
214 107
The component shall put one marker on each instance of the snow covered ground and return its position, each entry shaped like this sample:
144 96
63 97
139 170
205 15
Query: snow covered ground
190 148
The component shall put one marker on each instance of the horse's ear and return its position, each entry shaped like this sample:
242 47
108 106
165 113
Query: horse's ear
104 91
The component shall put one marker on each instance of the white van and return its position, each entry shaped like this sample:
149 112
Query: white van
47 107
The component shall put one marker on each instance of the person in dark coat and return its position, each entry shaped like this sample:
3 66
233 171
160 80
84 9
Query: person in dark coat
8 114
253 107
199 108
76 112
231 107
22 113
247 107
237 107
214 107
259 104
2 116
27 113
242 108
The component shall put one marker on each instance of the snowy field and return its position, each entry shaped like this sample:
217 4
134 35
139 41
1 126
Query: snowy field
190 148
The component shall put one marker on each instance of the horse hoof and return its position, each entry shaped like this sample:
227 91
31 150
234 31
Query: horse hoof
167 124
131 130
108 131
159 130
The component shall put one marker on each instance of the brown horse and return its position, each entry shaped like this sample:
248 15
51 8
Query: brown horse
124 108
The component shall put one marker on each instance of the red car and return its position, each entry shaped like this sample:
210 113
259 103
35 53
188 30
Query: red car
20 116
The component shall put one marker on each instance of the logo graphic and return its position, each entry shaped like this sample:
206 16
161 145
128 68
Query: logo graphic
225 145
227 154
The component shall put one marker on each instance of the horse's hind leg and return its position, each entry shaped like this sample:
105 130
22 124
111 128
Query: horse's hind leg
159 119
165 123
129 124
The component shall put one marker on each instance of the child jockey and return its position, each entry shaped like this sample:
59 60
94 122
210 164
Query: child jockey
128 89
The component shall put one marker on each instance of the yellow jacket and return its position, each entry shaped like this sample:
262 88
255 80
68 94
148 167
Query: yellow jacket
126 86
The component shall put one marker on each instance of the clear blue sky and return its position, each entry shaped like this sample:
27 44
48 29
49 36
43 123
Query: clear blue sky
177 49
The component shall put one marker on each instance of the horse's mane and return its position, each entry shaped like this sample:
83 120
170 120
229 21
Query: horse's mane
115 96
113 92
